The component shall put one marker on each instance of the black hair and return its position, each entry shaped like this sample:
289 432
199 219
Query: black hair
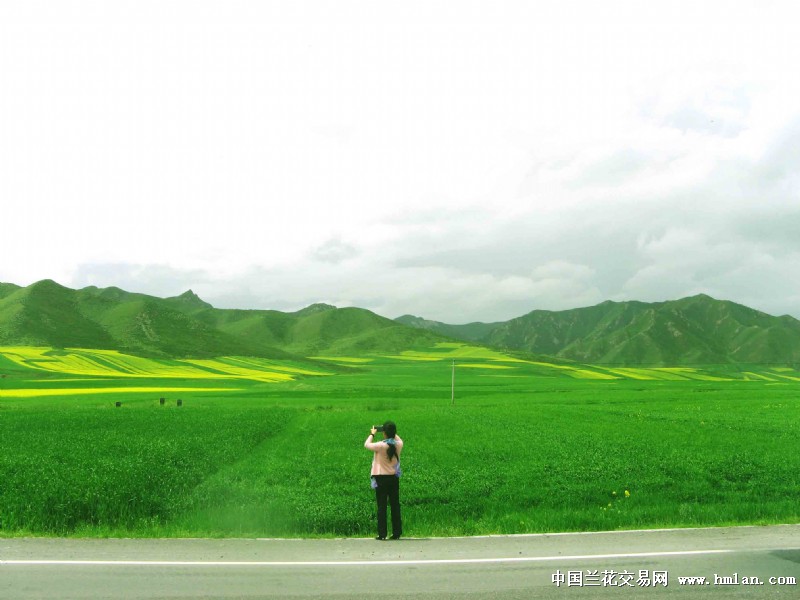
389 431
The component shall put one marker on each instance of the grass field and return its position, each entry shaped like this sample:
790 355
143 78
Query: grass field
264 448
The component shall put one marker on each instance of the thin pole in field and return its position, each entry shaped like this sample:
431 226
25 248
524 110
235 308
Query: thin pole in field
453 385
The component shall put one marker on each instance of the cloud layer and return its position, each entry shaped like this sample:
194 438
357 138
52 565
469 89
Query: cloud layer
459 163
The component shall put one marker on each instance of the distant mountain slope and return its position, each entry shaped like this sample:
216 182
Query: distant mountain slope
694 330
7 288
320 329
48 314
45 314
691 331
472 332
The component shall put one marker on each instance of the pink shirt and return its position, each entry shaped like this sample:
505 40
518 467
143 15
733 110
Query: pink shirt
381 465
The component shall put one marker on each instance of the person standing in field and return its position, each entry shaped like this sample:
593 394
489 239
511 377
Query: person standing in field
386 476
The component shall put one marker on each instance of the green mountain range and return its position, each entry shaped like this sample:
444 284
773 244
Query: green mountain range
691 331
48 314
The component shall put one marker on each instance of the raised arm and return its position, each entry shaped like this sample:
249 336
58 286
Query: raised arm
369 444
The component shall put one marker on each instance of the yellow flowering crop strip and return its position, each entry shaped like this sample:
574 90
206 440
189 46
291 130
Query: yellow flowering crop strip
483 366
34 393
665 374
788 377
110 363
452 350
261 363
576 372
587 374
690 373
643 374
415 358
229 370
343 359
750 376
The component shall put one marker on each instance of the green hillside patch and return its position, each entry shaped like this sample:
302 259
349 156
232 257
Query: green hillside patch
750 376
186 327
785 375
665 374
7 289
688 332
581 372
456 350
698 330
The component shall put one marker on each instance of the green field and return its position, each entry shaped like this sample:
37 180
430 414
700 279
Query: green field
270 448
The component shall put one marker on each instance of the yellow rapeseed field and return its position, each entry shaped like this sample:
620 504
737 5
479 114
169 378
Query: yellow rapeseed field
35 393
110 363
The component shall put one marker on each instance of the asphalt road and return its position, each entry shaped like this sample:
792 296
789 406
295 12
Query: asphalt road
559 566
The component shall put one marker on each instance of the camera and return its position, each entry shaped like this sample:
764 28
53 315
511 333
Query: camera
378 427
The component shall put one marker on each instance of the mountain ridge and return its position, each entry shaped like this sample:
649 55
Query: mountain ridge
46 313
689 331
697 329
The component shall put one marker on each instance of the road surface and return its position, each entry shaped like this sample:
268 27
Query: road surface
739 562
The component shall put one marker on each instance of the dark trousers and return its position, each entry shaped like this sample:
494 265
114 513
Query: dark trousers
388 491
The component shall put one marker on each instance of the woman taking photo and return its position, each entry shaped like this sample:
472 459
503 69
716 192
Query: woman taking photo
385 476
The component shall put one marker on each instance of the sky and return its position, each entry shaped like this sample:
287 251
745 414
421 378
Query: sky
460 161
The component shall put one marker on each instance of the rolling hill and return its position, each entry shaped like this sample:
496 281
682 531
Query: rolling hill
48 314
472 332
690 331
698 330
6 289
319 329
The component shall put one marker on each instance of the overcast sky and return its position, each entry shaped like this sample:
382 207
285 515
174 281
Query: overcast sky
455 160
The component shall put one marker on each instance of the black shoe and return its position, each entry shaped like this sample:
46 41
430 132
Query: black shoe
381 538
395 537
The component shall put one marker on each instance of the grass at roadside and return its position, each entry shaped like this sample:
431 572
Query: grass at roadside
540 451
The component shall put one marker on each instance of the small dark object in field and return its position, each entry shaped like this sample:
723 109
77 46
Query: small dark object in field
118 404
161 401
180 402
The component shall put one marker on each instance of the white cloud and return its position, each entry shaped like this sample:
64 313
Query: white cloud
459 162
334 251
